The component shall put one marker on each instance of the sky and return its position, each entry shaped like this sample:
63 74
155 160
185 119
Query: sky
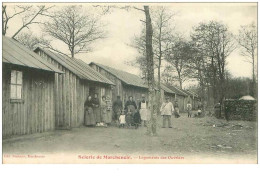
122 25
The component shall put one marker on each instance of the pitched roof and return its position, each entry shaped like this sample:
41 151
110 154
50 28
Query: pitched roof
190 93
178 91
17 54
77 66
127 78
166 89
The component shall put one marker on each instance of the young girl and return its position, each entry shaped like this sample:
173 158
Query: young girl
129 118
122 120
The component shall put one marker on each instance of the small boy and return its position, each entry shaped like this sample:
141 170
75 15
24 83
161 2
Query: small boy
122 120
189 108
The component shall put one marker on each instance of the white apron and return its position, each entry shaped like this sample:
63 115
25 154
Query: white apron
143 111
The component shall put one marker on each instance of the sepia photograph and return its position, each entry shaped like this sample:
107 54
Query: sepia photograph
129 83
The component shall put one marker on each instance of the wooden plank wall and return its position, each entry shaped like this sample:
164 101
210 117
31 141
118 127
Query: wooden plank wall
117 88
135 92
36 113
181 102
70 95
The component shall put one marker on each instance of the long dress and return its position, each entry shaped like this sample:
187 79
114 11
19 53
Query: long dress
103 107
89 119
176 110
109 111
96 109
143 110
117 108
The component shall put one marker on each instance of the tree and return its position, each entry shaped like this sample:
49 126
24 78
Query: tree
74 28
215 44
29 15
31 41
149 62
151 128
162 33
247 39
178 56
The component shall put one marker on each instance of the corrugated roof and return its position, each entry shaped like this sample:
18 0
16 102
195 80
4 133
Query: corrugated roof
178 91
77 66
127 78
17 54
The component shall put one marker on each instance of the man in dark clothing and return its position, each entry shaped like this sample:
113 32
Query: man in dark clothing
227 111
117 107
217 110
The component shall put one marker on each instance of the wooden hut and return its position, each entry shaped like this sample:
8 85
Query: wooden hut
193 98
180 96
28 90
73 87
126 84
166 91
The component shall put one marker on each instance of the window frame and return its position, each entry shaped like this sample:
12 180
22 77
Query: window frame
16 84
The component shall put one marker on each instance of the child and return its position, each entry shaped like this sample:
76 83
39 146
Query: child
137 119
122 120
129 118
189 108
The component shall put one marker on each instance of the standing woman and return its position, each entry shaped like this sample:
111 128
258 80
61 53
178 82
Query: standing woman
96 108
109 112
103 107
88 113
176 109
143 106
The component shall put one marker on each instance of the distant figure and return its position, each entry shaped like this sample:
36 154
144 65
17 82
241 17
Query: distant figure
200 108
166 112
189 109
217 110
143 106
96 108
176 109
89 119
117 108
122 121
227 111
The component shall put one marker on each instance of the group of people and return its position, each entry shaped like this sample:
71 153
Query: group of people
100 113
133 115
97 113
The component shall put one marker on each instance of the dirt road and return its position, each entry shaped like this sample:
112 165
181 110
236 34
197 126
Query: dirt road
203 137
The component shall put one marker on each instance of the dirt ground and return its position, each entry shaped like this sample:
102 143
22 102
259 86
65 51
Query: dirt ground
207 138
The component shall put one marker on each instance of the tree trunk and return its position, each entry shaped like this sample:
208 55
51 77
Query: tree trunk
253 78
151 127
